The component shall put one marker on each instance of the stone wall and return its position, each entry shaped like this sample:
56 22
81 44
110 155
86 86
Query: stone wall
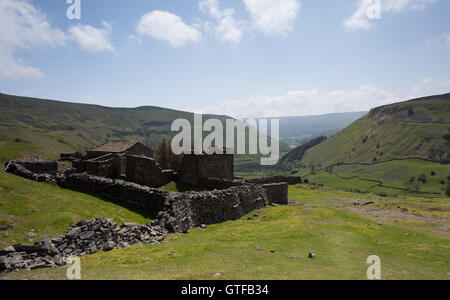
148 200
217 184
192 209
277 193
193 167
40 167
120 165
79 165
146 171
18 169
176 212
291 180
103 166
70 156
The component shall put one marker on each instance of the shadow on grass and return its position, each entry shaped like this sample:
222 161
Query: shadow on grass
139 211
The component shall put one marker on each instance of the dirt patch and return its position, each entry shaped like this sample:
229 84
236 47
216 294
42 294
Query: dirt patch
393 216
395 212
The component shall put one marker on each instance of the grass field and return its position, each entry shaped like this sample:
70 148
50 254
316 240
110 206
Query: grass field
410 235
408 177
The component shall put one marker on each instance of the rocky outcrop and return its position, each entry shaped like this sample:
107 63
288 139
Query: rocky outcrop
83 238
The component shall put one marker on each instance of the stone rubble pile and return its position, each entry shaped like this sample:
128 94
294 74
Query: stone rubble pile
84 238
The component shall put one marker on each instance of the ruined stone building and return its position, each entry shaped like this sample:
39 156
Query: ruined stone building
133 162
121 148
195 167
110 160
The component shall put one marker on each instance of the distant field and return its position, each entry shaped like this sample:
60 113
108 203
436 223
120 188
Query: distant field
410 177
412 244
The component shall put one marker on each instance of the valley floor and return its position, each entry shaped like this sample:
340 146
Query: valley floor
410 235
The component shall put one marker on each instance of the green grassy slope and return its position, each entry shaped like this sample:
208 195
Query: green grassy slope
48 210
370 147
298 153
416 128
324 222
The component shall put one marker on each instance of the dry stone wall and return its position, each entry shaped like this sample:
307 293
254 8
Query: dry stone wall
291 180
102 166
146 199
217 184
50 168
18 169
174 212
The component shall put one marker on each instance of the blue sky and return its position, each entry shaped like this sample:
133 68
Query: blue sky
245 58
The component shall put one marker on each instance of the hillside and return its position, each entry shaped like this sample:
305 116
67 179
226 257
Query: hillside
299 130
402 145
47 127
298 153
416 128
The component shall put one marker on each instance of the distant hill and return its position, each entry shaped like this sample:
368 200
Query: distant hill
299 130
54 126
404 145
298 153
418 128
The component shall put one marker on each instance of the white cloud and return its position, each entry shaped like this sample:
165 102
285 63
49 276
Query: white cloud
134 39
428 87
273 17
166 26
300 103
22 26
360 18
228 29
421 88
92 39
442 41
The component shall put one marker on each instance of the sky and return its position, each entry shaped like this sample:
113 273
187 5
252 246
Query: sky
242 58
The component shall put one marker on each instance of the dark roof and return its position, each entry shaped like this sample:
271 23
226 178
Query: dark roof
115 147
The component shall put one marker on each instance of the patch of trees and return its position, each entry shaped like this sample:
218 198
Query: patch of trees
422 178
